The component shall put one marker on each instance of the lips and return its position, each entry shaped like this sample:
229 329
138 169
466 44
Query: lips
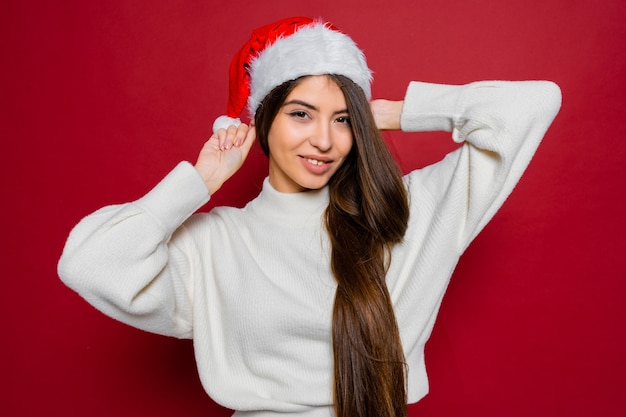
316 164
317 159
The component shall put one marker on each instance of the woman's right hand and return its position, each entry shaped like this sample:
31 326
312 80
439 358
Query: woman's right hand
224 153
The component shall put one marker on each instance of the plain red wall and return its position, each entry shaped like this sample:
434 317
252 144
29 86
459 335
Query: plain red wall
101 99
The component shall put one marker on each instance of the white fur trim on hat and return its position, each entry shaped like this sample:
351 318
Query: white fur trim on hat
312 50
223 122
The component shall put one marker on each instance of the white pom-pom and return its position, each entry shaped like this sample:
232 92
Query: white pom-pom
223 122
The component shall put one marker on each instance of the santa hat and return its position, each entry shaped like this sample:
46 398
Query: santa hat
286 50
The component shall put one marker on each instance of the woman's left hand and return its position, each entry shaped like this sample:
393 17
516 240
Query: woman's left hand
387 113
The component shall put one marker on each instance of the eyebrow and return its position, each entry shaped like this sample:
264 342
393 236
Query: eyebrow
310 106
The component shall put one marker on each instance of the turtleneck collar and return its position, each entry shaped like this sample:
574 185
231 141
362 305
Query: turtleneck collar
294 209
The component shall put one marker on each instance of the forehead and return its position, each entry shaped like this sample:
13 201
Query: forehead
318 90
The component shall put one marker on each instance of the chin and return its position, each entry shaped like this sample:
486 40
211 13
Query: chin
314 185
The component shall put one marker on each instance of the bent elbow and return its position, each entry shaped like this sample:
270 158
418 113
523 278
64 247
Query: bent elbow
551 98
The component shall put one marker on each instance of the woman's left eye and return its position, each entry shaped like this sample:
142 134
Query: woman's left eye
343 119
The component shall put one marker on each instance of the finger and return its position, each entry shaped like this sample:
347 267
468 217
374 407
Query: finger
251 136
225 137
220 137
231 132
249 140
240 135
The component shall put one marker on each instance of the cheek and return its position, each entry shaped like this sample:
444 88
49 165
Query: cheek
281 138
273 146
345 144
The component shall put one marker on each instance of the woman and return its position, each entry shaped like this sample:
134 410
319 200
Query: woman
318 297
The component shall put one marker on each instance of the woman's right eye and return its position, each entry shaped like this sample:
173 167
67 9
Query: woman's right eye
298 114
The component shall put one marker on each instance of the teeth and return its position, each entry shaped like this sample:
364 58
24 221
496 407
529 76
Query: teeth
315 161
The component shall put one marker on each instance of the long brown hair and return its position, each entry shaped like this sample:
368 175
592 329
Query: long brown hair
367 214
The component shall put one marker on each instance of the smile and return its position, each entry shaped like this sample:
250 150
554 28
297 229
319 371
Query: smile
317 165
314 161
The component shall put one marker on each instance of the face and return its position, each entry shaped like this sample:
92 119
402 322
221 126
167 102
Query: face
310 136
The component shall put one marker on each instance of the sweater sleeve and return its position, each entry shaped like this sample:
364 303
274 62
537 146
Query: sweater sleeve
123 260
499 124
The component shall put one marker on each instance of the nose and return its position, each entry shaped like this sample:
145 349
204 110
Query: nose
321 136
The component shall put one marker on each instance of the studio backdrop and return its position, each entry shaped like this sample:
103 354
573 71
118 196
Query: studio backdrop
101 99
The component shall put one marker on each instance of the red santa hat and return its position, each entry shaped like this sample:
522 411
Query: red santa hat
286 50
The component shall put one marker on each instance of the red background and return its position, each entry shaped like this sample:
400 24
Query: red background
101 99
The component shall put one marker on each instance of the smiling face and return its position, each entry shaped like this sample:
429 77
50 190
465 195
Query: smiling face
310 136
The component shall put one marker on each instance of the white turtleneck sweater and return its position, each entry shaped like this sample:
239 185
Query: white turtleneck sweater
253 286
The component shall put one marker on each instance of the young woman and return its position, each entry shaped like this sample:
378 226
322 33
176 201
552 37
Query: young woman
318 297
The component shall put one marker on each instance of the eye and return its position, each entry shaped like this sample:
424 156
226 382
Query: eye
343 120
298 114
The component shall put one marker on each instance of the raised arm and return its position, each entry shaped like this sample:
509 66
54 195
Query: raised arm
135 262
500 125
224 153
